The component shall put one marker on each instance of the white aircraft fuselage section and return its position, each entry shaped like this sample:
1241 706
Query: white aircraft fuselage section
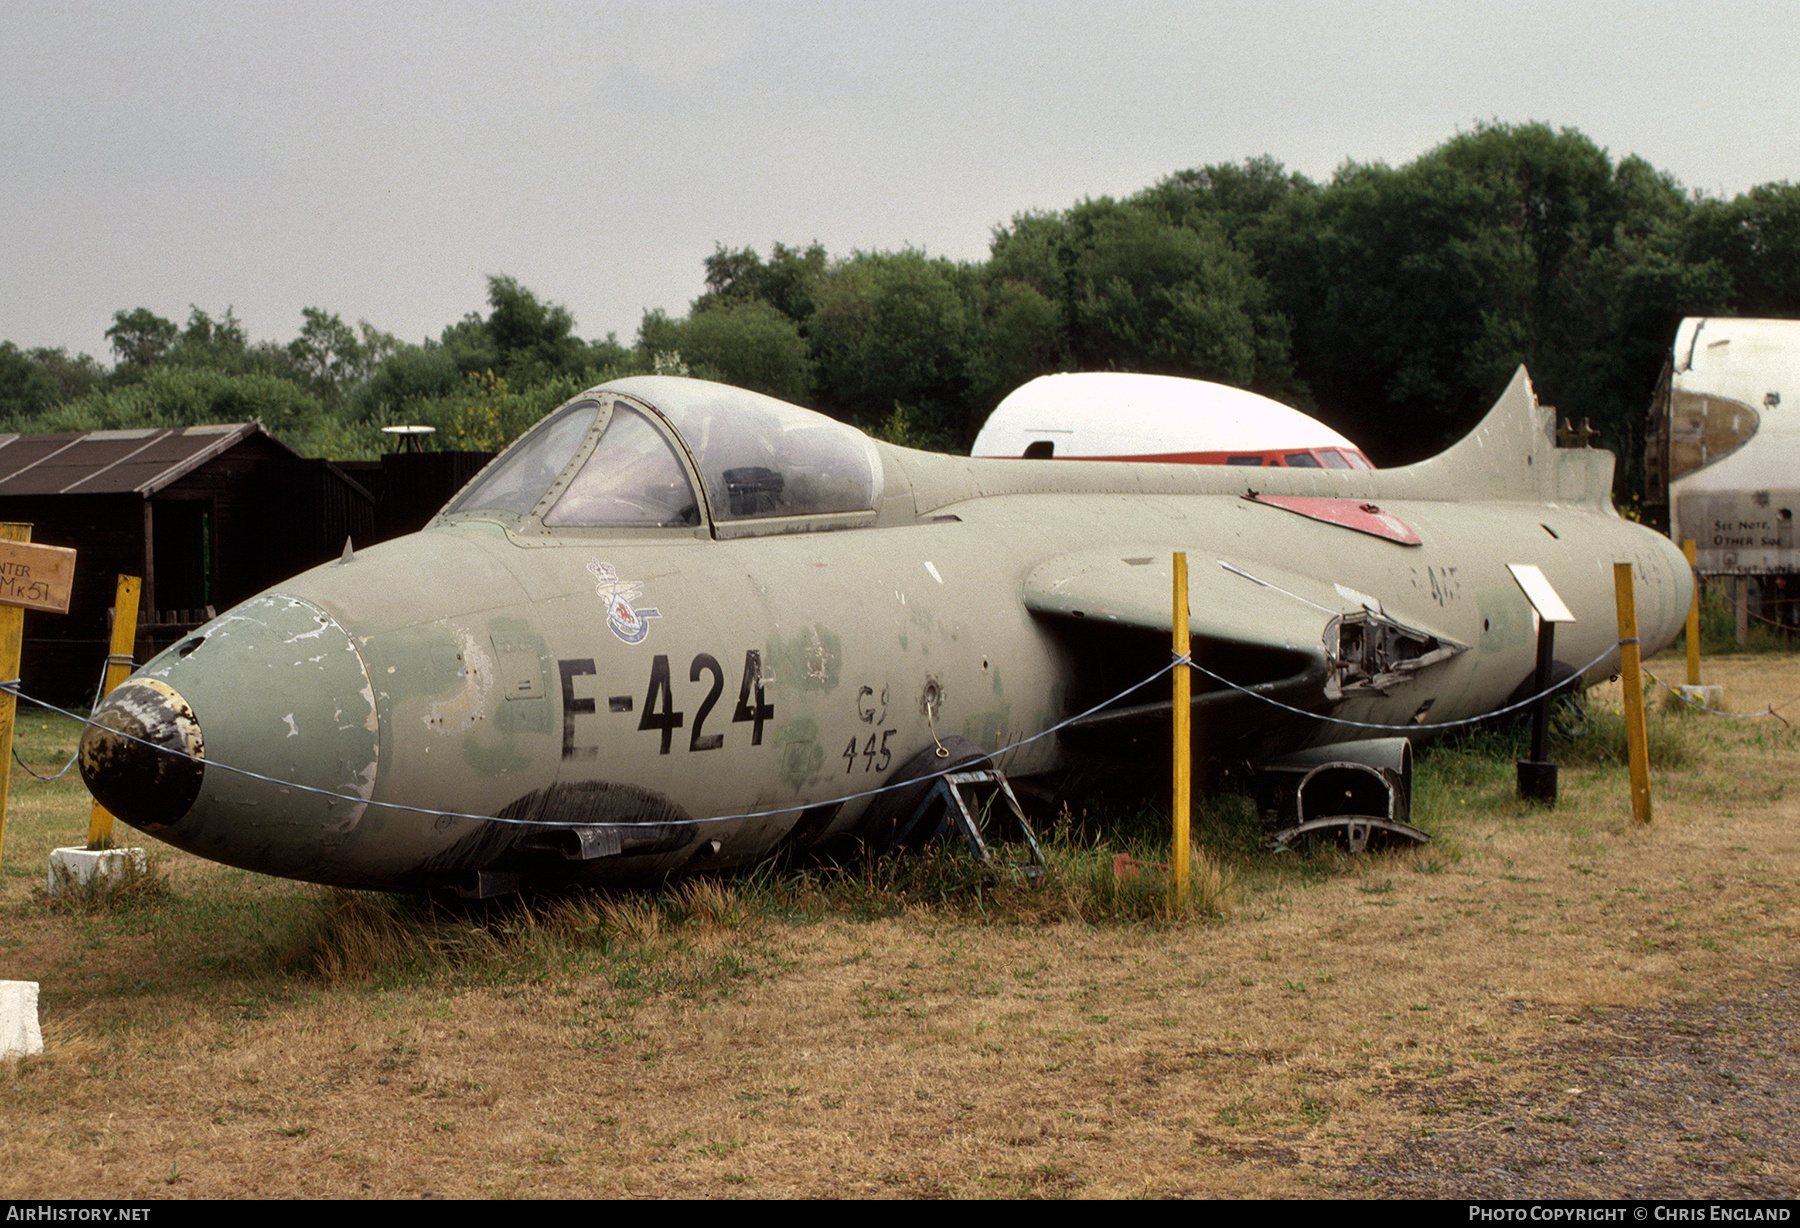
1734 442
1125 416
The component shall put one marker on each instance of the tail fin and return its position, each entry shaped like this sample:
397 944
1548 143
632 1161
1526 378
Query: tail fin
1512 456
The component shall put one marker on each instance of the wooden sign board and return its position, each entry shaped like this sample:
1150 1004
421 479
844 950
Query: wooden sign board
36 577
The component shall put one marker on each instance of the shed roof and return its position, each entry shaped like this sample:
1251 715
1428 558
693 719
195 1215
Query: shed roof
140 461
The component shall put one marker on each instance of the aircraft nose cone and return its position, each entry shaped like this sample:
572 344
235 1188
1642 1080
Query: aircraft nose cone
143 757
291 751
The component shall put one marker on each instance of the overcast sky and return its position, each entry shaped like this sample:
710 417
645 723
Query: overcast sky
380 160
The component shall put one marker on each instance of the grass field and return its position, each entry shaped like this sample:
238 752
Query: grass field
1539 1003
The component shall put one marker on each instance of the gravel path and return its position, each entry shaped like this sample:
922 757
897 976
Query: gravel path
1663 1102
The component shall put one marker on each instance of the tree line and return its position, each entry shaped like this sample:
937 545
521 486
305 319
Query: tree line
1391 302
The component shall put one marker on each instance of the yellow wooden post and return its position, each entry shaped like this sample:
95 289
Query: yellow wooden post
1632 676
1183 748
118 668
12 639
1693 622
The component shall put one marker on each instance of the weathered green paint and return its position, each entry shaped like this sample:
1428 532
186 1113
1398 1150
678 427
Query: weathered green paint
811 659
494 759
988 728
1505 618
801 755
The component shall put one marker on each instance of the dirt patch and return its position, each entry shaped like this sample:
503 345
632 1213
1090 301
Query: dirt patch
1668 1102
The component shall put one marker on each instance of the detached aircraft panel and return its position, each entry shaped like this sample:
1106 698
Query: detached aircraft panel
1734 442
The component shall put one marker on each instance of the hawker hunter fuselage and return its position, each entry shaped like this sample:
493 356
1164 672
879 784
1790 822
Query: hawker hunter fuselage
681 625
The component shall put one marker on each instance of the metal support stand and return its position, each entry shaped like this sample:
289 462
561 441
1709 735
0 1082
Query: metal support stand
1537 776
967 799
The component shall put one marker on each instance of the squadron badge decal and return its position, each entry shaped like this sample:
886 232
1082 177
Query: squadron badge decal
629 623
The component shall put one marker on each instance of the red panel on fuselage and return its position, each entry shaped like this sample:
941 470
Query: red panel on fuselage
1349 513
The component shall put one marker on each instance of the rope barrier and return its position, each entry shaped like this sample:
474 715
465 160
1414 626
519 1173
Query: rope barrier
13 686
1468 720
353 799
1697 706
60 772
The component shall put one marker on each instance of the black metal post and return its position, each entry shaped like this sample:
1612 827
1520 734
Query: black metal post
1537 777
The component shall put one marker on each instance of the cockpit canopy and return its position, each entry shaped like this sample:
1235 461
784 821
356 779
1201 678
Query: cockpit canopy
633 453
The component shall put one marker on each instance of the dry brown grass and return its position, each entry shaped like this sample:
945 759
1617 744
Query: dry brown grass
1542 1002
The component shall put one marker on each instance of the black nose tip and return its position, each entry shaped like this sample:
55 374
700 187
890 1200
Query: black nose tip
143 758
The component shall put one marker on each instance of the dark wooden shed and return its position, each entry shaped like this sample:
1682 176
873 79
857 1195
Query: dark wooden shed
207 515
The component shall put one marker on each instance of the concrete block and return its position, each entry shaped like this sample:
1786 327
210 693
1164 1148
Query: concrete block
1687 698
93 869
19 1034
